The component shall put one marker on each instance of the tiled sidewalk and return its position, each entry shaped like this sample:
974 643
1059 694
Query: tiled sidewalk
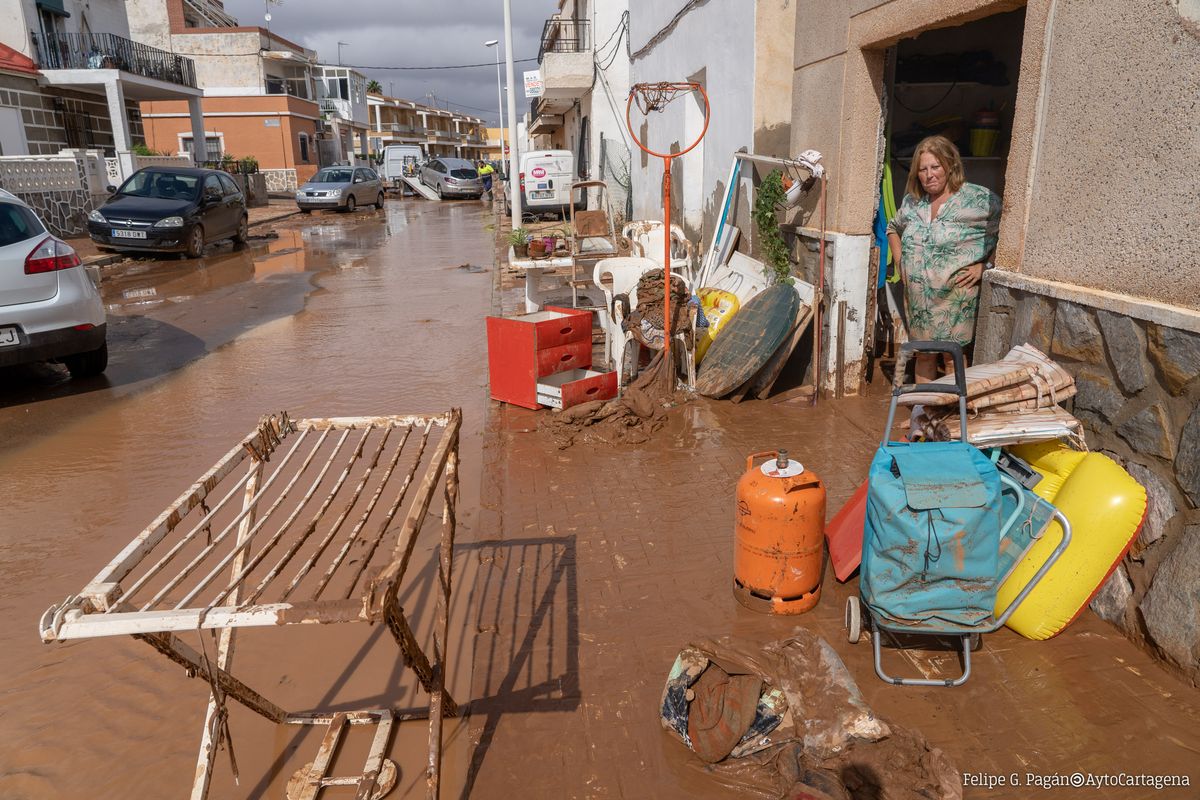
605 562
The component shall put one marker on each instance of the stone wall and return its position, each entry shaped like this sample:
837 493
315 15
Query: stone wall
280 180
1137 370
55 187
47 113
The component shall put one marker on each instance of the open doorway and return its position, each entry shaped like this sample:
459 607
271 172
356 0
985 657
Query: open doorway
960 82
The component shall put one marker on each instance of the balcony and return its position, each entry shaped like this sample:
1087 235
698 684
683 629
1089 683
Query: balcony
565 60
565 36
542 118
99 51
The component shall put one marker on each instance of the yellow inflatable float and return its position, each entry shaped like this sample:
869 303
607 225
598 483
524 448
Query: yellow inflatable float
718 307
1105 507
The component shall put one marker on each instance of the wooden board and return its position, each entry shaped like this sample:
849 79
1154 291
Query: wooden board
764 381
747 341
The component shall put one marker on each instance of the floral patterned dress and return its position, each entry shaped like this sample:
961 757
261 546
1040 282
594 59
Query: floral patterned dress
933 252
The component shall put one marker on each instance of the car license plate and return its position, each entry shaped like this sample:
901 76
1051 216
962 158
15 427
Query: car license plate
120 234
9 337
543 195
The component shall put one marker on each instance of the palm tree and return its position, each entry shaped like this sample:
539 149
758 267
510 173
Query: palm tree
374 87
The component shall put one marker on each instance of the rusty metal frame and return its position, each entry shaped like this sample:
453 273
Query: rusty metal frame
109 605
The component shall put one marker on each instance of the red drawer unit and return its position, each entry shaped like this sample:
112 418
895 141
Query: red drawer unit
522 350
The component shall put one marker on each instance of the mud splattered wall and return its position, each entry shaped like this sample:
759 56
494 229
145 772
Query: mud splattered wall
713 42
1113 203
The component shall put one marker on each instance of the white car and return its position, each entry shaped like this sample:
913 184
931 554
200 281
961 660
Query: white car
49 308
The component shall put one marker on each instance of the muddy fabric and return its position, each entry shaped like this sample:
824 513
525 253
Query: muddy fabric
808 694
629 419
651 309
721 709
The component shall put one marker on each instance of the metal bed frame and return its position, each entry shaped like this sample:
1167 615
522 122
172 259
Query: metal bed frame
136 595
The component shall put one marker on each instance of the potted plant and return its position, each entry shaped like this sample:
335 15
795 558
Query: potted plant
519 239
776 261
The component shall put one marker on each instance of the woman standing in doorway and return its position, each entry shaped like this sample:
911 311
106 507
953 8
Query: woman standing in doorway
944 233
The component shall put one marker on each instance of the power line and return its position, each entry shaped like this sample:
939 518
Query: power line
361 66
454 66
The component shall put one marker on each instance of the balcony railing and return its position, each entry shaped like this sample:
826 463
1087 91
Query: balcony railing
109 51
565 36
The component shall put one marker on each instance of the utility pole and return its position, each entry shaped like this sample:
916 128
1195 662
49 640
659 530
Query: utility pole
499 93
514 149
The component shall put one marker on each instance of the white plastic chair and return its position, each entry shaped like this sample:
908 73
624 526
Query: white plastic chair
629 350
646 240
622 275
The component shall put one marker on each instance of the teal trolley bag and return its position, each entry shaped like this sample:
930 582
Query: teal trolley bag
933 538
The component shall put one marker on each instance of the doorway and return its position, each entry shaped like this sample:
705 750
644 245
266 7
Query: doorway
960 82
12 133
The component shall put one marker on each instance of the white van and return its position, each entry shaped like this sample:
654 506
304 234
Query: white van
545 179
400 160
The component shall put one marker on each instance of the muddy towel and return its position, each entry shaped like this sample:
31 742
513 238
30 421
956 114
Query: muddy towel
721 710
646 320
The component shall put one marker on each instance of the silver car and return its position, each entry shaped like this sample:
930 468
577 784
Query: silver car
452 177
343 188
50 309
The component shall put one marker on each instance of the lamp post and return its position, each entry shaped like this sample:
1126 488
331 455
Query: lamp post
514 158
499 92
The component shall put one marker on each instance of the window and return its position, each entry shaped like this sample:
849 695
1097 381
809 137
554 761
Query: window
212 147
164 185
304 147
212 187
17 224
228 184
360 175
372 175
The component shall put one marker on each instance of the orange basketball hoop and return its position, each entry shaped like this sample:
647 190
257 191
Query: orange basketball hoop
655 97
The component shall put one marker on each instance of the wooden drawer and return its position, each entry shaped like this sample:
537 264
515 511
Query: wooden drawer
570 388
576 355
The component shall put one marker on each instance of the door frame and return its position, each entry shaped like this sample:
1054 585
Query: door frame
870 34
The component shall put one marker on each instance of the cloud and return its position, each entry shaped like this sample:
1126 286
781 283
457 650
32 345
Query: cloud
389 33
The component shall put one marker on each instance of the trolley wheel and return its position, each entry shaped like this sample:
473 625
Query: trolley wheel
853 621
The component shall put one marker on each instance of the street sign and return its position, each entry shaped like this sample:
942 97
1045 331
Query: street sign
534 86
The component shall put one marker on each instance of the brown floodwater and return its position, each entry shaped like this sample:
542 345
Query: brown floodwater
338 316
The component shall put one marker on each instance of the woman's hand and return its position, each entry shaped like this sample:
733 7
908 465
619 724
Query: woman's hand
969 277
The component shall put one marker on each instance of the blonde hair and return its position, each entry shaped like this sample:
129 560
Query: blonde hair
946 154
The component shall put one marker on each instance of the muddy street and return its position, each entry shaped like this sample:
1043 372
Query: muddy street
338 315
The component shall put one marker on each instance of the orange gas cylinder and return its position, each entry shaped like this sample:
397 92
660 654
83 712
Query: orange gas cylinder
778 553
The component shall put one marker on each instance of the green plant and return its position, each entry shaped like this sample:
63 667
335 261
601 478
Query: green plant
517 236
777 264
141 149
248 165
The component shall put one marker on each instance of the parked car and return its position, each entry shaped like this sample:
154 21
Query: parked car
452 176
171 210
341 187
545 179
50 309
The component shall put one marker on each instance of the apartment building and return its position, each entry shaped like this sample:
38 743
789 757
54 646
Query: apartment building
72 76
259 97
439 131
342 93
584 67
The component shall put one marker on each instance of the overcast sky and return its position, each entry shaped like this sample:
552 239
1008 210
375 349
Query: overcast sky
403 33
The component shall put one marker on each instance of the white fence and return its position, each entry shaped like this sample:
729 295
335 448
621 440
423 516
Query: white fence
20 174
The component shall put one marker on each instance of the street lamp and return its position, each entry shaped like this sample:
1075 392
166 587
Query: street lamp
499 92
340 46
